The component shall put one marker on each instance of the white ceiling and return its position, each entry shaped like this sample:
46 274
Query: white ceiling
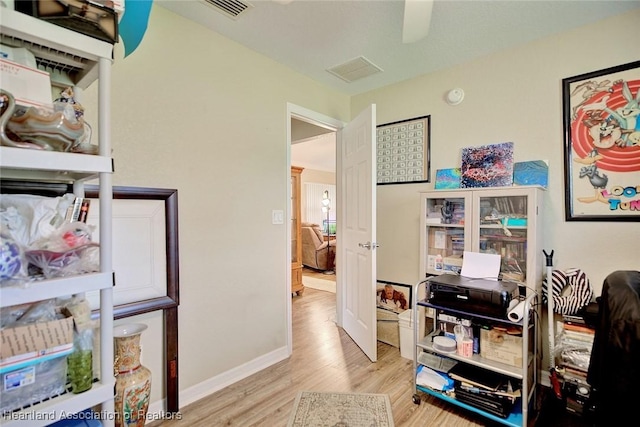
311 36
318 153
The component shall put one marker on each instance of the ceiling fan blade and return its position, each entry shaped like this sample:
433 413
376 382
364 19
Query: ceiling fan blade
417 20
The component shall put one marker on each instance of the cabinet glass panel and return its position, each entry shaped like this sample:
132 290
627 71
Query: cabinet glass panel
503 231
445 231
502 221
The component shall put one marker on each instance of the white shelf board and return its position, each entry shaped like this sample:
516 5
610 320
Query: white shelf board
57 407
47 289
476 360
24 163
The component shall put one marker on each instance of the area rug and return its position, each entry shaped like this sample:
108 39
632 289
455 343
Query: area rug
314 409
319 284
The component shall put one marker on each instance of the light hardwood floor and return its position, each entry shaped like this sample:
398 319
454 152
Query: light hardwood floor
324 359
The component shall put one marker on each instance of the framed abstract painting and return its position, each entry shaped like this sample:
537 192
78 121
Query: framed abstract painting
487 166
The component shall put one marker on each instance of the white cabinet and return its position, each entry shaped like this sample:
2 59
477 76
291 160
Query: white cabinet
503 221
72 59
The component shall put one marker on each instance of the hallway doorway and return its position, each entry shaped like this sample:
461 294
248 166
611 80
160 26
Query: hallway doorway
356 221
313 148
312 140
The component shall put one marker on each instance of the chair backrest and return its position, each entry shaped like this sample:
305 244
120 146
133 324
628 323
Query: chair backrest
313 232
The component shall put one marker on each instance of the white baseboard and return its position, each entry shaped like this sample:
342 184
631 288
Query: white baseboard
210 386
241 372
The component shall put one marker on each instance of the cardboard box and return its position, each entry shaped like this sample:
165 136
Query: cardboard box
83 16
497 345
30 87
29 344
453 263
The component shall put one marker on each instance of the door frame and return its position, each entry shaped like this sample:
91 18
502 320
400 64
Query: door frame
321 120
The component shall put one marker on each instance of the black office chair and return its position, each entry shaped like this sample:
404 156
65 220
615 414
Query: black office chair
614 368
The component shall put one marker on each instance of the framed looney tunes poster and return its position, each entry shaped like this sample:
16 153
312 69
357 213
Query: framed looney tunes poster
601 118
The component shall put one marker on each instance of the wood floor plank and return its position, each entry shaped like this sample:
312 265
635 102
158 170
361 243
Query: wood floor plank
324 359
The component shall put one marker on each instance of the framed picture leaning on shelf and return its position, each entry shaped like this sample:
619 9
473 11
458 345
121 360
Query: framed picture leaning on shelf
601 118
392 296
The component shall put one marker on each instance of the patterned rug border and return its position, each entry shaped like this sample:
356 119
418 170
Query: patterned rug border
309 423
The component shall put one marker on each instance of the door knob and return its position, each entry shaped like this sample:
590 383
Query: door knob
368 245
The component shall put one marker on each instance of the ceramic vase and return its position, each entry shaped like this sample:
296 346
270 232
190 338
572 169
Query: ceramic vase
133 381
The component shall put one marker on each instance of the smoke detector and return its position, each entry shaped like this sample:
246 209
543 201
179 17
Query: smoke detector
455 96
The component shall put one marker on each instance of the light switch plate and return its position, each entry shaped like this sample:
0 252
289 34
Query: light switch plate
277 217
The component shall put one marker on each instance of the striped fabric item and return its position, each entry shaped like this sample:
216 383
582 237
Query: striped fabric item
580 290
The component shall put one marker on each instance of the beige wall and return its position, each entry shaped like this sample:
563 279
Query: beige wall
312 175
194 111
197 112
514 95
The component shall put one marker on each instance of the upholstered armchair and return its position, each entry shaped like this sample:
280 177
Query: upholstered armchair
314 248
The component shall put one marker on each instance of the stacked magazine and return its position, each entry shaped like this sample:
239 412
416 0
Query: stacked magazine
492 392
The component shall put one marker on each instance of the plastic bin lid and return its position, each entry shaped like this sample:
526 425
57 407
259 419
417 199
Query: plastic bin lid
82 419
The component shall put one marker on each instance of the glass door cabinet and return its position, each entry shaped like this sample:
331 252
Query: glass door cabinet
503 221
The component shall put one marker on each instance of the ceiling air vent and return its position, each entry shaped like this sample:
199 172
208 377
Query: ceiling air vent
355 69
231 8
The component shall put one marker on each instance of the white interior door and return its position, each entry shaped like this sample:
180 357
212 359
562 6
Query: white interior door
356 261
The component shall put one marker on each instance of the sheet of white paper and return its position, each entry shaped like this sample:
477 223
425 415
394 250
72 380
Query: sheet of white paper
440 240
480 266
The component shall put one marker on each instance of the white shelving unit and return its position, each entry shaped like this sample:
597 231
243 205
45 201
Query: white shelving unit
501 220
526 374
76 60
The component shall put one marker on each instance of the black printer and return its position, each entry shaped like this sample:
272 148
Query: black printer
482 296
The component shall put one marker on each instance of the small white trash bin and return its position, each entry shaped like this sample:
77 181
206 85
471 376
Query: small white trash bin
405 322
